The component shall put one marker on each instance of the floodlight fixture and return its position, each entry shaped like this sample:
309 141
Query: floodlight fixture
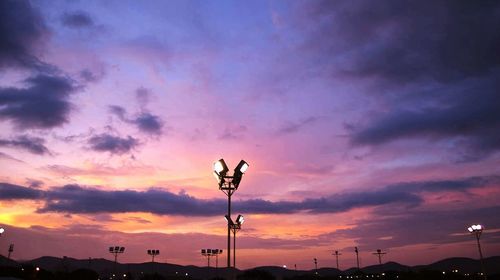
477 230
241 167
220 167
2 230
229 184
153 253
240 219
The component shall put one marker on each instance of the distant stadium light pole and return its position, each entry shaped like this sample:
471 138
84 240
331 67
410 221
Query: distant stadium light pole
228 185
316 265
477 230
11 249
357 256
153 253
115 251
337 254
379 253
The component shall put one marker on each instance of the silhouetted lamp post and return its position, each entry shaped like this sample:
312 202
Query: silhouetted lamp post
477 230
11 249
235 227
153 253
357 256
379 253
316 265
115 251
228 185
337 254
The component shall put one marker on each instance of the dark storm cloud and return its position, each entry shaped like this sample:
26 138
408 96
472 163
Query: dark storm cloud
44 103
77 19
78 199
14 192
34 145
145 121
403 41
472 115
438 64
113 144
22 30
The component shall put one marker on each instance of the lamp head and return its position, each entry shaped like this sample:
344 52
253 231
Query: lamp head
122 249
240 219
241 167
2 230
220 167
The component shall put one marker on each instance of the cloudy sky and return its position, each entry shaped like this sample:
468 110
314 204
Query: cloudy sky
365 123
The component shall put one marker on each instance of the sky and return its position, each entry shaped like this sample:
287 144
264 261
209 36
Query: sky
365 123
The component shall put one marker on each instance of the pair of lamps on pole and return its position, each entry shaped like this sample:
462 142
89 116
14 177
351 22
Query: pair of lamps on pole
477 230
229 184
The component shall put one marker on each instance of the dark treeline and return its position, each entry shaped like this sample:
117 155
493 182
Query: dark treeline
30 272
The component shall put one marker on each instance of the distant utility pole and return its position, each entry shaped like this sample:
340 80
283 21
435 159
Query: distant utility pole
357 256
11 249
337 254
379 253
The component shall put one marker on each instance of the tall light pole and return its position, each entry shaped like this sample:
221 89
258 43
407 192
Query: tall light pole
316 265
11 249
153 253
235 227
337 254
379 253
228 185
115 251
477 230
357 256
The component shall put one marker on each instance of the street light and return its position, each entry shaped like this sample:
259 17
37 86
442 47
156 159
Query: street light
2 230
337 254
379 253
235 227
357 256
477 230
316 265
228 185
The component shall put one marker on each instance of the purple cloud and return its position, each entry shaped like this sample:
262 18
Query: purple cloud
112 144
